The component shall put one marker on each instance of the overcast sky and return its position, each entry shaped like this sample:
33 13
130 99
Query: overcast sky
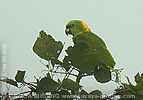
118 22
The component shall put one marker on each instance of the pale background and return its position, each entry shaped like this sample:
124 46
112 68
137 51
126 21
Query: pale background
118 22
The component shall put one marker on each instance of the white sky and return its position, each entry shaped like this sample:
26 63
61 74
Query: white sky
118 22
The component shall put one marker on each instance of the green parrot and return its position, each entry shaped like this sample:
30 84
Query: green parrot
82 34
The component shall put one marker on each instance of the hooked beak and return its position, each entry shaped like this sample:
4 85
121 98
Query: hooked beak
68 31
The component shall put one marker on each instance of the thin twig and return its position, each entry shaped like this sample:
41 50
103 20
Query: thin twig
79 76
70 72
29 84
87 75
65 73
22 93
76 69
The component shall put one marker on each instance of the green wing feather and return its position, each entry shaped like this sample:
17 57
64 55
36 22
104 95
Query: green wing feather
98 46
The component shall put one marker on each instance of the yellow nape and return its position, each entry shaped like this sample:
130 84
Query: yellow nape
85 26
67 23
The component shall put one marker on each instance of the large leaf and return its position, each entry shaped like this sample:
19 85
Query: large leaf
102 75
46 47
47 85
95 95
85 58
80 58
63 95
20 76
133 90
56 61
70 85
9 81
83 92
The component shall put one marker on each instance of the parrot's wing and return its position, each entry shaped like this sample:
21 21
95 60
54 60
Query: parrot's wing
98 46
90 39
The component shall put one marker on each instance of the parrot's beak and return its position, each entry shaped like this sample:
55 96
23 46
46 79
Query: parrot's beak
68 31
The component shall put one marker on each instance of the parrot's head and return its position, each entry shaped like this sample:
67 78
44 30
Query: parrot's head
76 27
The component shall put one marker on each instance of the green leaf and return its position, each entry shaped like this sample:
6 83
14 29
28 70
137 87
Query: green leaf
137 78
80 58
46 47
85 58
133 90
9 81
83 92
70 85
140 92
55 61
102 75
126 86
47 84
20 76
95 95
62 95
139 86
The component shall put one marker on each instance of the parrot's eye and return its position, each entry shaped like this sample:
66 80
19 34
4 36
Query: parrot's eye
73 25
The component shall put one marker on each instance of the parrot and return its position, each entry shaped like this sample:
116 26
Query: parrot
82 34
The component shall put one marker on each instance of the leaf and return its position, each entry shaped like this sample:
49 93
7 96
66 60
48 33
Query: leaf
102 75
140 92
20 76
139 81
83 92
55 61
126 86
46 47
70 85
62 95
85 58
10 81
133 90
47 84
95 95
137 78
80 58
